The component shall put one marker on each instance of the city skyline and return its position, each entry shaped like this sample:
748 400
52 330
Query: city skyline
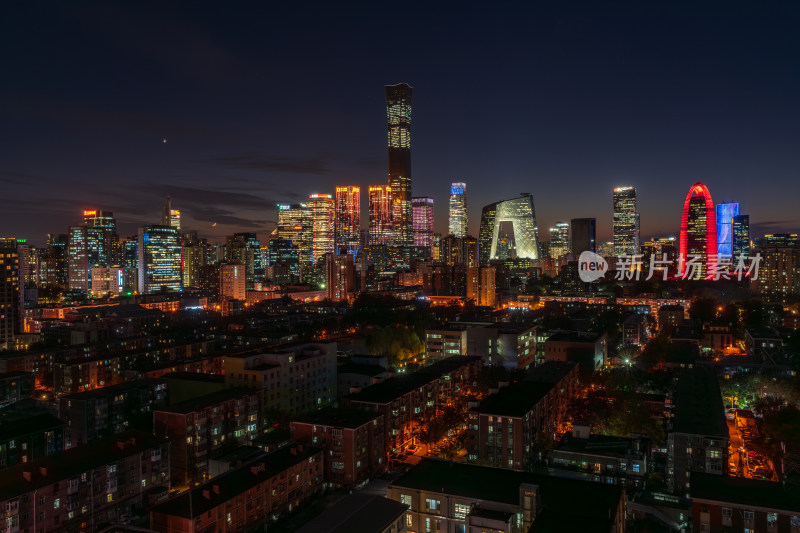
78 144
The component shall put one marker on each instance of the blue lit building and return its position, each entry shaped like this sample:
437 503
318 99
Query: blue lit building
725 214
160 261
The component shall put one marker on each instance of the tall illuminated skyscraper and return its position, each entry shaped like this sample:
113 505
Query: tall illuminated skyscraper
294 225
11 293
160 262
348 218
626 221
380 214
457 220
398 114
78 258
559 240
740 227
322 225
698 235
725 214
423 221
522 216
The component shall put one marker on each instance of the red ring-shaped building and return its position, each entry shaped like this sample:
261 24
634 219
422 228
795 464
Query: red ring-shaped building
691 241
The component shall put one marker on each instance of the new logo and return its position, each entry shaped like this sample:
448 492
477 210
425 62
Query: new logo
591 266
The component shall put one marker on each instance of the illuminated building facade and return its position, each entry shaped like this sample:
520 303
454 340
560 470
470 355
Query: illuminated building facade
626 221
584 235
725 214
698 235
233 281
457 219
107 281
348 218
11 293
481 285
398 114
322 225
779 271
559 240
340 276
740 227
283 265
423 221
380 214
521 214
78 259
159 250
169 216
294 225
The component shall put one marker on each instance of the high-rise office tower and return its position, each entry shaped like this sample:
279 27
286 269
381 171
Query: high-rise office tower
100 237
423 221
78 259
294 225
626 221
740 227
725 214
159 250
559 240
339 276
522 216
194 252
779 271
698 235
322 225
398 114
11 294
348 218
457 220
283 263
53 267
380 214
169 216
583 235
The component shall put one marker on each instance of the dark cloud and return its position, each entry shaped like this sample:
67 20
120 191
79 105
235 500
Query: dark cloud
772 226
198 196
276 163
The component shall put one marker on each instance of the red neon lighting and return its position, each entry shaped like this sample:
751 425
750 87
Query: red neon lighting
701 190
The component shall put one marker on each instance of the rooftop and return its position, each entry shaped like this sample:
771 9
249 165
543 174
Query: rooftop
517 399
208 400
23 426
698 404
550 372
365 370
744 491
220 489
358 512
500 485
113 390
75 461
347 418
574 336
195 376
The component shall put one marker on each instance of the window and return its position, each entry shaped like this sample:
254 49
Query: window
726 512
748 514
409 520
432 504
636 467
460 512
772 519
56 503
406 500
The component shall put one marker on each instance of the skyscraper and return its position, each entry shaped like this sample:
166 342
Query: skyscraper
481 285
169 216
423 221
398 114
294 225
740 227
322 225
78 259
559 240
521 214
626 221
698 235
380 214
160 264
725 214
339 276
457 220
584 235
233 281
348 218
11 291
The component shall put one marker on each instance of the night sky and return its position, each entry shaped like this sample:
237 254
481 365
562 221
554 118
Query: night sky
269 103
